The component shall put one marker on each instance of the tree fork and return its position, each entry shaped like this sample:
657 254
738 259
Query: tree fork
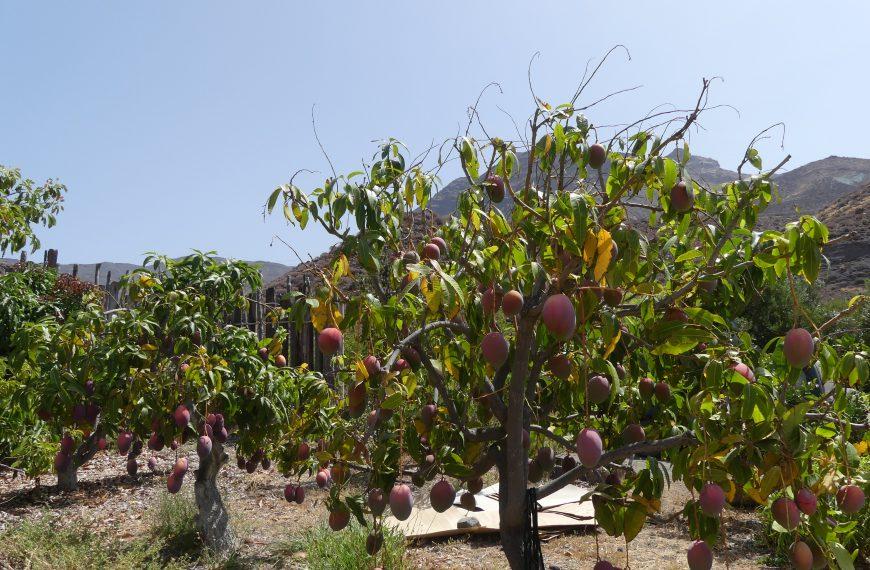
68 479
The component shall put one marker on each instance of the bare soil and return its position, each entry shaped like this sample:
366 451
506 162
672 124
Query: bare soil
110 501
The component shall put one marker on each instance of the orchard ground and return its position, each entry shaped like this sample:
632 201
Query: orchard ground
119 507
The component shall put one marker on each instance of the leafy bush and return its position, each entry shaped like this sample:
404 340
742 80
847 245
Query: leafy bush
30 292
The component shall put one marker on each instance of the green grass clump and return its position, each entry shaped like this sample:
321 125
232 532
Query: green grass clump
326 549
43 543
173 521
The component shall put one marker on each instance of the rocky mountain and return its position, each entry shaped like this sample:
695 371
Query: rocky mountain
836 189
850 258
419 228
700 168
86 271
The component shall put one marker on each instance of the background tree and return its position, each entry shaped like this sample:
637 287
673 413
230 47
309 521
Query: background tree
164 370
568 322
23 204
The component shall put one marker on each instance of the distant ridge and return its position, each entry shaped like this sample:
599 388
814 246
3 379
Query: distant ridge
836 189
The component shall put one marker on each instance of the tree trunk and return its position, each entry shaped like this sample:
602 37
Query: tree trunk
212 520
511 535
513 477
68 479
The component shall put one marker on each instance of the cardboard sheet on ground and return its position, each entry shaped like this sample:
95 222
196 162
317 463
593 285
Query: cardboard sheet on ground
561 510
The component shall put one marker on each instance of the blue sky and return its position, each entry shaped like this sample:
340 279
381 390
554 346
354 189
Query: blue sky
170 121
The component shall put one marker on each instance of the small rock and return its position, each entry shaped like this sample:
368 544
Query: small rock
301 555
468 522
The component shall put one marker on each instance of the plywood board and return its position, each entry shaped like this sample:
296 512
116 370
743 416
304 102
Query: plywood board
561 510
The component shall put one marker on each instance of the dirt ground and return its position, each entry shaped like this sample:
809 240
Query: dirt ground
108 498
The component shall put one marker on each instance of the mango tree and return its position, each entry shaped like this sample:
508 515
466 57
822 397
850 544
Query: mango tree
24 204
579 301
167 369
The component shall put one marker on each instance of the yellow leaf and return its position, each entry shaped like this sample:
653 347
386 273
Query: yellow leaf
730 491
431 289
861 447
548 142
827 484
604 250
361 372
324 315
652 505
340 268
770 459
472 452
755 495
610 347
449 368
590 246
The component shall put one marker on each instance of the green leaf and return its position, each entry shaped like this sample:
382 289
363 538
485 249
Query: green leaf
844 559
811 258
393 401
273 198
635 517
794 417
670 176
581 215
608 515
753 157
691 254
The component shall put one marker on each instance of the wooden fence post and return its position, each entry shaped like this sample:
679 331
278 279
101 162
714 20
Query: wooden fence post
108 298
51 258
97 273
252 311
292 342
23 258
269 300
307 333
75 270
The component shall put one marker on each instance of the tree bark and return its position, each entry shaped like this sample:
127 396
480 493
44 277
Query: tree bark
513 476
511 536
68 479
212 519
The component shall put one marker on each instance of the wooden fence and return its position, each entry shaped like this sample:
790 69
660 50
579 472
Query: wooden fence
300 346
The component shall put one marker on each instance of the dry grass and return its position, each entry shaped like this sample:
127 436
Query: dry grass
125 515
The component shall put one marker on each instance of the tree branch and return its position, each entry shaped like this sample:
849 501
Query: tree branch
550 435
405 342
617 455
825 418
